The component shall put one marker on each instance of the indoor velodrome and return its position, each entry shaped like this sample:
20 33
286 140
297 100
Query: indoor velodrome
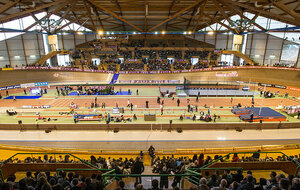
147 94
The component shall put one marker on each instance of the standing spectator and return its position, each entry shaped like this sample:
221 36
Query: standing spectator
151 153
128 103
158 100
137 91
131 107
138 168
178 102
201 160
164 181
25 92
7 93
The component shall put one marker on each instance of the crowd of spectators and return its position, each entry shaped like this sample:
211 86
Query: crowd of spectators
201 65
182 66
201 54
126 54
166 53
159 65
134 43
140 53
112 67
228 180
132 66
214 56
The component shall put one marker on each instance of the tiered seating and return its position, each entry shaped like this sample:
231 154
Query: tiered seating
203 55
182 66
165 54
132 66
159 65
140 53
218 172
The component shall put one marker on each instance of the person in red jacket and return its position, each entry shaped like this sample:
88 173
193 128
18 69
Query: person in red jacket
201 160
235 158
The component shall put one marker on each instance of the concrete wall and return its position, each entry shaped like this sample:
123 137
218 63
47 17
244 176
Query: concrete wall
13 52
256 48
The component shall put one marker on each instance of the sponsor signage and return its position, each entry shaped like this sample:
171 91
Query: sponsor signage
41 84
227 74
149 81
272 85
27 85
293 88
10 87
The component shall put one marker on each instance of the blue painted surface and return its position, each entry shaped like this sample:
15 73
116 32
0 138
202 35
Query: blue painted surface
123 93
114 78
22 97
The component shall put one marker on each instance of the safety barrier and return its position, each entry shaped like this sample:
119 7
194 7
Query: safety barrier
46 153
47 150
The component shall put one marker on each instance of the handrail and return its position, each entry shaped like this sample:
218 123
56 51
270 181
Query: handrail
227 155
149 175
225 168
24 153
81 169
297 169
163 151
1 175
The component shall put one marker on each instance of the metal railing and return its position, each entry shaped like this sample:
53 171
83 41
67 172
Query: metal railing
43 153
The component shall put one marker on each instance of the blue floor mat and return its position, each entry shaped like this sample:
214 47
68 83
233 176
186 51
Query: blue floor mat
22 97
123 93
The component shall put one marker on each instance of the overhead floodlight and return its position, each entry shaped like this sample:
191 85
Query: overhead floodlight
210 33
163 32
100 32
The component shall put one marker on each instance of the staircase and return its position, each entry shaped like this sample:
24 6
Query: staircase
240 55
41 61
114 78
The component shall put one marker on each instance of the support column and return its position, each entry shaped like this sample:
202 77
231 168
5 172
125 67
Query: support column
281 48
267 40
24 50
74 40
227 42
62 42
250 51
8 54
38 43
85 38
298 59
216 36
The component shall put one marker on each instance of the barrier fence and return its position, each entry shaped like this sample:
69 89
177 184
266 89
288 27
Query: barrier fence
149 72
